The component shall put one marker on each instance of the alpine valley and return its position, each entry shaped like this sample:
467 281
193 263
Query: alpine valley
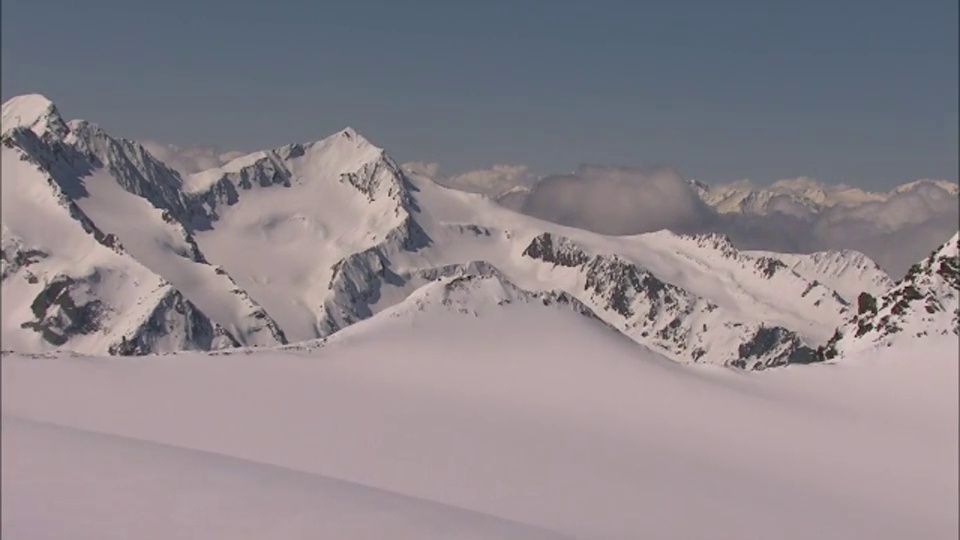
109 251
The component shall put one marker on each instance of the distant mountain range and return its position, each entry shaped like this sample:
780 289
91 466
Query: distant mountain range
801 197
108 250
896 228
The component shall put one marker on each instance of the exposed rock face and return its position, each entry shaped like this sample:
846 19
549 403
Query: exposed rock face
717 242
925 302
70 307
668 318
473 287
264 172
775 342
561 252
14 256
173 325
134 169
63 309
74 305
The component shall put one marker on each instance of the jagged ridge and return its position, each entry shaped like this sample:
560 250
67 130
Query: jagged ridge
925 302
663 316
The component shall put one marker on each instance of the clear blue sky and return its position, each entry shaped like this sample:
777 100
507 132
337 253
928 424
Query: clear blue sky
863 91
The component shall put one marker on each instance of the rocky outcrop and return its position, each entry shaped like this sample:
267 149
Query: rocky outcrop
135 170
63 309
665 317
926 302
15 256
174 324
558 251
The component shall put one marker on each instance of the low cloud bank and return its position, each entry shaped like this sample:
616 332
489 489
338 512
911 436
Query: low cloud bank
895 228
618 201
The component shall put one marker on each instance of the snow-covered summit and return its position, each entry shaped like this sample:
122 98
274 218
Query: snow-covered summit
344 151
34 112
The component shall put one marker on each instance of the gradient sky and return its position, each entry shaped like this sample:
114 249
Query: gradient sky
861 91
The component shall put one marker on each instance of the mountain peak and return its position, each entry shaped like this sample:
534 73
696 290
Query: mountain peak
949 249
34 112
347 144
351 135
924 302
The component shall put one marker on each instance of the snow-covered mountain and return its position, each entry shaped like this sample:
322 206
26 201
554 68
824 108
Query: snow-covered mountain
68 283
105 224
926 302
108 250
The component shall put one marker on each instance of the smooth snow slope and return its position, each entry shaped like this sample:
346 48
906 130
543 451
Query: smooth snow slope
181 493
514 414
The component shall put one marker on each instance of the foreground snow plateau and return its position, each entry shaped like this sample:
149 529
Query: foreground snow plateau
523 420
